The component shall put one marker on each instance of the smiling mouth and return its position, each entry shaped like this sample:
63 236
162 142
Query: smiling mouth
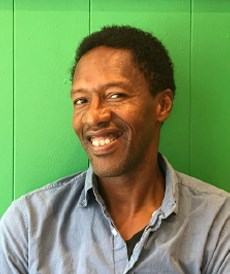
98 141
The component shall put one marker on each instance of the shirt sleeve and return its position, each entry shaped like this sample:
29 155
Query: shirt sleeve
222 253
14 241
218 243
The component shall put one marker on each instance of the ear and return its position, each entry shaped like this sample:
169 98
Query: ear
164 105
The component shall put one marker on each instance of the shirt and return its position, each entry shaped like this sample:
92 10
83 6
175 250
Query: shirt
65 228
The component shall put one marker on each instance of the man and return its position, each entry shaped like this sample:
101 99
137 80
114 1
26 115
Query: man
130 212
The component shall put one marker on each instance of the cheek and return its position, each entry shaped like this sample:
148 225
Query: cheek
143 122
139 116
76 123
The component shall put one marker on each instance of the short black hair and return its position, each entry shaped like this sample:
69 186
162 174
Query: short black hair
148 53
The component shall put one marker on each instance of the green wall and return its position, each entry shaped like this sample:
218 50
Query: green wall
37 43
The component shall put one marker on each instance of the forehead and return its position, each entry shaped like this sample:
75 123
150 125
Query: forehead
104 67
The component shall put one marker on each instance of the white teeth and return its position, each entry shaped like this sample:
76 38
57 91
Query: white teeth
107 141
102 142
95 143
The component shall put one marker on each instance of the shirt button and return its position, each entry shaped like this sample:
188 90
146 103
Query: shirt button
114 232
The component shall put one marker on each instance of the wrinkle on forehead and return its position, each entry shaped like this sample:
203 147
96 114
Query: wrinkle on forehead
104 65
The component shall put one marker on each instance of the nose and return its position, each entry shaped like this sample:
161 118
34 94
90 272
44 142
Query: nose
97 114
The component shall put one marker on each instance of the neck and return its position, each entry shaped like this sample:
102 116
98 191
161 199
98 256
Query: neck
132 198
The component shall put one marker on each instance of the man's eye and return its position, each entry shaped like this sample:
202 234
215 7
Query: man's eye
80 101
117 95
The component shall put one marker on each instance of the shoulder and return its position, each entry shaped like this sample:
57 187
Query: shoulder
206 209
34 214
66 185
199 188
191 193
42 201
203 200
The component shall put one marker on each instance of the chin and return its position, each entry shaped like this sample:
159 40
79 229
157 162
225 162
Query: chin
107 171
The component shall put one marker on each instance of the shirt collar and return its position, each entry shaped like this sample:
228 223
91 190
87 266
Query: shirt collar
171 195
90 179
170 201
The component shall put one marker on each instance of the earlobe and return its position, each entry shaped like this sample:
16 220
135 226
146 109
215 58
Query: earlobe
165 104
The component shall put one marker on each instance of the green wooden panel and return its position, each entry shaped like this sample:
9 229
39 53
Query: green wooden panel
169 21
46 35
6 104
210 112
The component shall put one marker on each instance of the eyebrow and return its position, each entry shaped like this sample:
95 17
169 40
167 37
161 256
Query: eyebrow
73 91
104 87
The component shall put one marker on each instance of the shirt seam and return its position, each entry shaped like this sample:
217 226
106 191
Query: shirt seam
204 193
57 184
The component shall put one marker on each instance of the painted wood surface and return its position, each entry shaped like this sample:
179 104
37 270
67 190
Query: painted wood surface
37 44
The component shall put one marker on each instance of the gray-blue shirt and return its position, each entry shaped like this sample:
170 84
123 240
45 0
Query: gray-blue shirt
65 228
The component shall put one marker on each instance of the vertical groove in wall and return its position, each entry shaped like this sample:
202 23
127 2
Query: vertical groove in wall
13 83
90 6
190 81
89 16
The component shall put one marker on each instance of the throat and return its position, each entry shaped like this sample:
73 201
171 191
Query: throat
131 201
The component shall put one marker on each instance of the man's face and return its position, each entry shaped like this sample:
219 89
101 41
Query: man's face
114 113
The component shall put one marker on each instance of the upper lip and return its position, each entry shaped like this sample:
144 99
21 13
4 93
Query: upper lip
102 133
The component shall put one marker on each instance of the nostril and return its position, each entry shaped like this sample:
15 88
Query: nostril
95 116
